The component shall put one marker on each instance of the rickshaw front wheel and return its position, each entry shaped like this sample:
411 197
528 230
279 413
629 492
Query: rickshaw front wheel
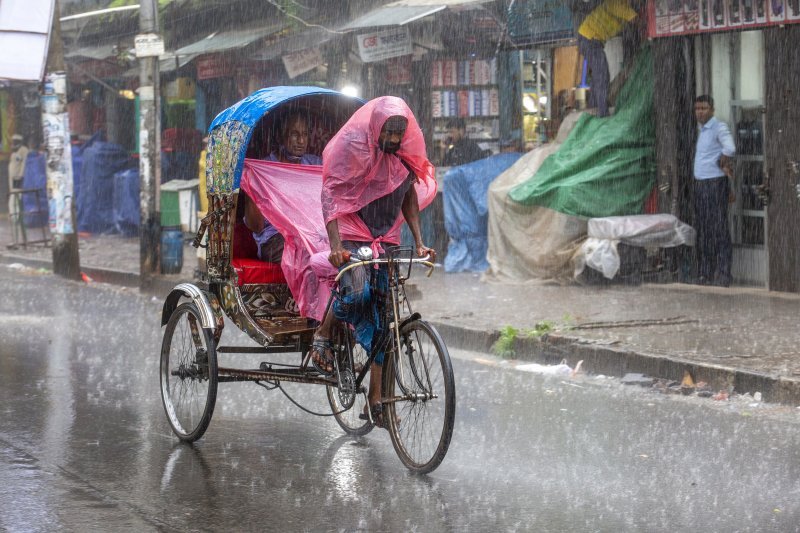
188 373
420 397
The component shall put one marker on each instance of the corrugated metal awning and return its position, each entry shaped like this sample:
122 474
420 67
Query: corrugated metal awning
392 16
406 11
228 40
24 36
309 38
92 52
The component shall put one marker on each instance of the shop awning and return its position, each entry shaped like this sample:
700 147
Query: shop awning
391 16
24 36
172 61
309 38
91 52
404 12
167 63
228 40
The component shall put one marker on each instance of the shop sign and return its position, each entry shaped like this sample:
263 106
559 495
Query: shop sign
214 66
148 45
687 17
398 70
300 62
384 44
539 21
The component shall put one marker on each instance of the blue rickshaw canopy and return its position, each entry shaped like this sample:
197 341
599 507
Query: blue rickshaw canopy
232 131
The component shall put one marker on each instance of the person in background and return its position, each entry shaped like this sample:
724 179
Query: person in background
293 138
16 168
460 149
712 193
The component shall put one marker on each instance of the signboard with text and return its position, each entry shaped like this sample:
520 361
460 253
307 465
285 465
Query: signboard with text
687 17
214 66
148 45
384 44
533 22
297 63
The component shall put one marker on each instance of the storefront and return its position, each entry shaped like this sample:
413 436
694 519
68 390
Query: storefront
542 32
728 51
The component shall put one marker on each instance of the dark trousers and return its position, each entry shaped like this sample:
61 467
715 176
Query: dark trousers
713 246
272 250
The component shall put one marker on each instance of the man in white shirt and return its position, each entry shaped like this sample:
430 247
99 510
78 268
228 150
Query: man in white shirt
713 166
16 169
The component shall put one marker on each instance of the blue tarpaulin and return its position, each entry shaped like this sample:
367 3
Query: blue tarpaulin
466 211
126 202
101 161
35 177
77 161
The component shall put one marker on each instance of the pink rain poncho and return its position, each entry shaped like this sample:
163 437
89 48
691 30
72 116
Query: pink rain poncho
356 172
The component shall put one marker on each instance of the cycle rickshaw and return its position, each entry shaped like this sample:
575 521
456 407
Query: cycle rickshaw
418 391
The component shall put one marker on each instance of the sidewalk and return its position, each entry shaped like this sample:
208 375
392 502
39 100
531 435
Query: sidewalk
741 338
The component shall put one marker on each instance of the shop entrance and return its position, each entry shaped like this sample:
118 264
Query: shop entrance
731 69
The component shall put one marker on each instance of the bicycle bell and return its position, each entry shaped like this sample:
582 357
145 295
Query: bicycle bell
364 253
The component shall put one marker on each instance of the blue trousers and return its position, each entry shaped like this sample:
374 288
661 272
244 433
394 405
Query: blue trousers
361 301
594 53
714 250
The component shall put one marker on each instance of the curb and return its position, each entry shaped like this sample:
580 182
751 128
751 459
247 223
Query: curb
124 278
548 349
616 362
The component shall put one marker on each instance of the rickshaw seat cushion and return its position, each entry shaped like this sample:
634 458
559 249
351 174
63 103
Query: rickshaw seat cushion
244 246
256 271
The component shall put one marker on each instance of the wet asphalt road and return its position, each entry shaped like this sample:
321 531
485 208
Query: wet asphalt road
85 446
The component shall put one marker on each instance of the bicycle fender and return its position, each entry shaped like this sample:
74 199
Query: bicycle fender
208 318
411 318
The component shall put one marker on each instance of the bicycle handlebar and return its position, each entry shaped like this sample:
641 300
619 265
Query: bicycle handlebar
355 263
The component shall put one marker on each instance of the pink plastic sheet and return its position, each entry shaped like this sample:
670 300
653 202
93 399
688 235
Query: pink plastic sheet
356 171
289 196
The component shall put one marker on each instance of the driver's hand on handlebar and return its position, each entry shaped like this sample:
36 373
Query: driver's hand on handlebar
339 256
423 250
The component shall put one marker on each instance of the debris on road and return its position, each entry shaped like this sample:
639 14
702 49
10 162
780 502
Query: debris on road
561 369
633 378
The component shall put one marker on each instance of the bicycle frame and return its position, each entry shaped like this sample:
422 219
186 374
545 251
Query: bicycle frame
389 315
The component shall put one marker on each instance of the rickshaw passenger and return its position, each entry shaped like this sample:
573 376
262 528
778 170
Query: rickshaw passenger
293 137
389 163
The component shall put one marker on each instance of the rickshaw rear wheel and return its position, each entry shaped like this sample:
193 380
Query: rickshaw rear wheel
188 373
347 404
420 397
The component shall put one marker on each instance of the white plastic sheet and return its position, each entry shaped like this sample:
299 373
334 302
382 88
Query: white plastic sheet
24 33
599 251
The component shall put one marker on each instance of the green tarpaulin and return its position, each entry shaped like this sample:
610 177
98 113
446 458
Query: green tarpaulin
606 167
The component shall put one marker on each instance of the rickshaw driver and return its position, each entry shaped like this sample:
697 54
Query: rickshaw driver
379 215
292 149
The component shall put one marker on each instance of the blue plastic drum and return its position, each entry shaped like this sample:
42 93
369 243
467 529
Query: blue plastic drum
171 250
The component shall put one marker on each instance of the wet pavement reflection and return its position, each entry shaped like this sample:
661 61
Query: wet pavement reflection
85 445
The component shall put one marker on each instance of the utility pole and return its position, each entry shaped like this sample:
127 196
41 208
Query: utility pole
55 127
148 47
